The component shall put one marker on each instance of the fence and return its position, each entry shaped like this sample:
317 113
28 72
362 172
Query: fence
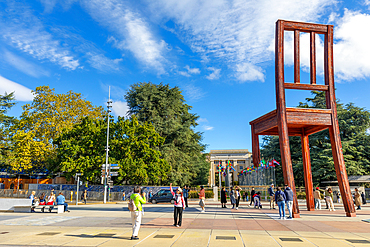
260 177
92 195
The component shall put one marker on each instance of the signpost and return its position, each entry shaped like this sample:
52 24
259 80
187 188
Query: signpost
78 185
106 174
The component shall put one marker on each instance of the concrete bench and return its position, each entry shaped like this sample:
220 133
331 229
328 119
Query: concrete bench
8 204
59 208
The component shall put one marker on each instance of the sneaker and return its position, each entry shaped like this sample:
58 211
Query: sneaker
236 208
333 209
202 211
289 217
284 218
134 238
177 226
279 218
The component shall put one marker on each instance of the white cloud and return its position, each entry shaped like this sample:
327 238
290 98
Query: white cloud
367 2
214 75
189 71
133 31
236 32
22 93
120 108
351 48
26 32
249 72
206 127
102 63
202 120
193 93
192 70
24 65
184 73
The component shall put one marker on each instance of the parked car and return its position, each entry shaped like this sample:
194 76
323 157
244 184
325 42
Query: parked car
162 196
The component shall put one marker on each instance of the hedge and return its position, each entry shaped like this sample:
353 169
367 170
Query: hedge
194 194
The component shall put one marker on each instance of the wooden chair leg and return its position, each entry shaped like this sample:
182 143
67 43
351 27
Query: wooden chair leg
307 172
255 148
341 172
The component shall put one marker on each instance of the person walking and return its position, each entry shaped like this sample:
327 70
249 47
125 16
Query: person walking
237 197
179 205
289 200
280 201
252 194
317 198
363 198
136 215
329 199
357 199
123 196
272 196
223 197
186 195
244 195
84 196
61 200
202 198
232 197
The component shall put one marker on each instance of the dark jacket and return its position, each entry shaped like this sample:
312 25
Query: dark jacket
288 194
271 191
279 192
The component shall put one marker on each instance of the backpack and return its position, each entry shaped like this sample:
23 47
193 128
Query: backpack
131 204
280 197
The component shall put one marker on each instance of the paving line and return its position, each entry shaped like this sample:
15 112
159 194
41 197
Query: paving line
147 237
209 239
266 231
327 234
239 231
178 237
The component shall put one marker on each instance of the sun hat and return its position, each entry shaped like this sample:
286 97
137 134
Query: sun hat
179 189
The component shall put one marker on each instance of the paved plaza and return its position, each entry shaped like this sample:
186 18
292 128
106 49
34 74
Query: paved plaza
110 225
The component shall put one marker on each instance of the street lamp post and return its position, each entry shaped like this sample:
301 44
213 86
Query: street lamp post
107 148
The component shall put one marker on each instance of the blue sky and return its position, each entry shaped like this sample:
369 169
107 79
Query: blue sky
220 53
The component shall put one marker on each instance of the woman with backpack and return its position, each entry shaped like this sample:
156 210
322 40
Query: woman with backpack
136 208
280 201
179 205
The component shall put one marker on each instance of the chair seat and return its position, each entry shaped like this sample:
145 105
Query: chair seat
299 120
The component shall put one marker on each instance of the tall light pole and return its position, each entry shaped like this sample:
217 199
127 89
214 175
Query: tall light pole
107 148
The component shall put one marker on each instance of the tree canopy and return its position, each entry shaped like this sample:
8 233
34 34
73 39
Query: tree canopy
353 121
165 108
43 121
132 145
7 101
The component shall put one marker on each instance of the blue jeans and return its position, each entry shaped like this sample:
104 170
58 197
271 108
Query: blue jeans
281 206
65 206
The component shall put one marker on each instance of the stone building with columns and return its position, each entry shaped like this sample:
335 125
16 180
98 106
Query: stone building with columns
239 159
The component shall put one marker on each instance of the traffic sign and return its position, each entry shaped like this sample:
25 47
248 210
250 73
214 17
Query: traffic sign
111 165
115 168
113 173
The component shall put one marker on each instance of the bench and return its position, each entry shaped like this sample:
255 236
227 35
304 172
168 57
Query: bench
9 204
59 208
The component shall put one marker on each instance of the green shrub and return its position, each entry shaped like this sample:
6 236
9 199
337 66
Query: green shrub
301 195
194 194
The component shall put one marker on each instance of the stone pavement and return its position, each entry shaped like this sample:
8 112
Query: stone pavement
110 225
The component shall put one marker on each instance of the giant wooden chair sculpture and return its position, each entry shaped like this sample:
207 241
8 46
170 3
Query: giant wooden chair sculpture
303 122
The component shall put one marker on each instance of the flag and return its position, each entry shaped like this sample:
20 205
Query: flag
275 162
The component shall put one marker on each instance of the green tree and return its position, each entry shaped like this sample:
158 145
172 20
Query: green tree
7 101
43 121
353 123
132 145
165 108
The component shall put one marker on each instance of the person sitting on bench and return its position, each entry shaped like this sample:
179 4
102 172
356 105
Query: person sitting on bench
61 201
